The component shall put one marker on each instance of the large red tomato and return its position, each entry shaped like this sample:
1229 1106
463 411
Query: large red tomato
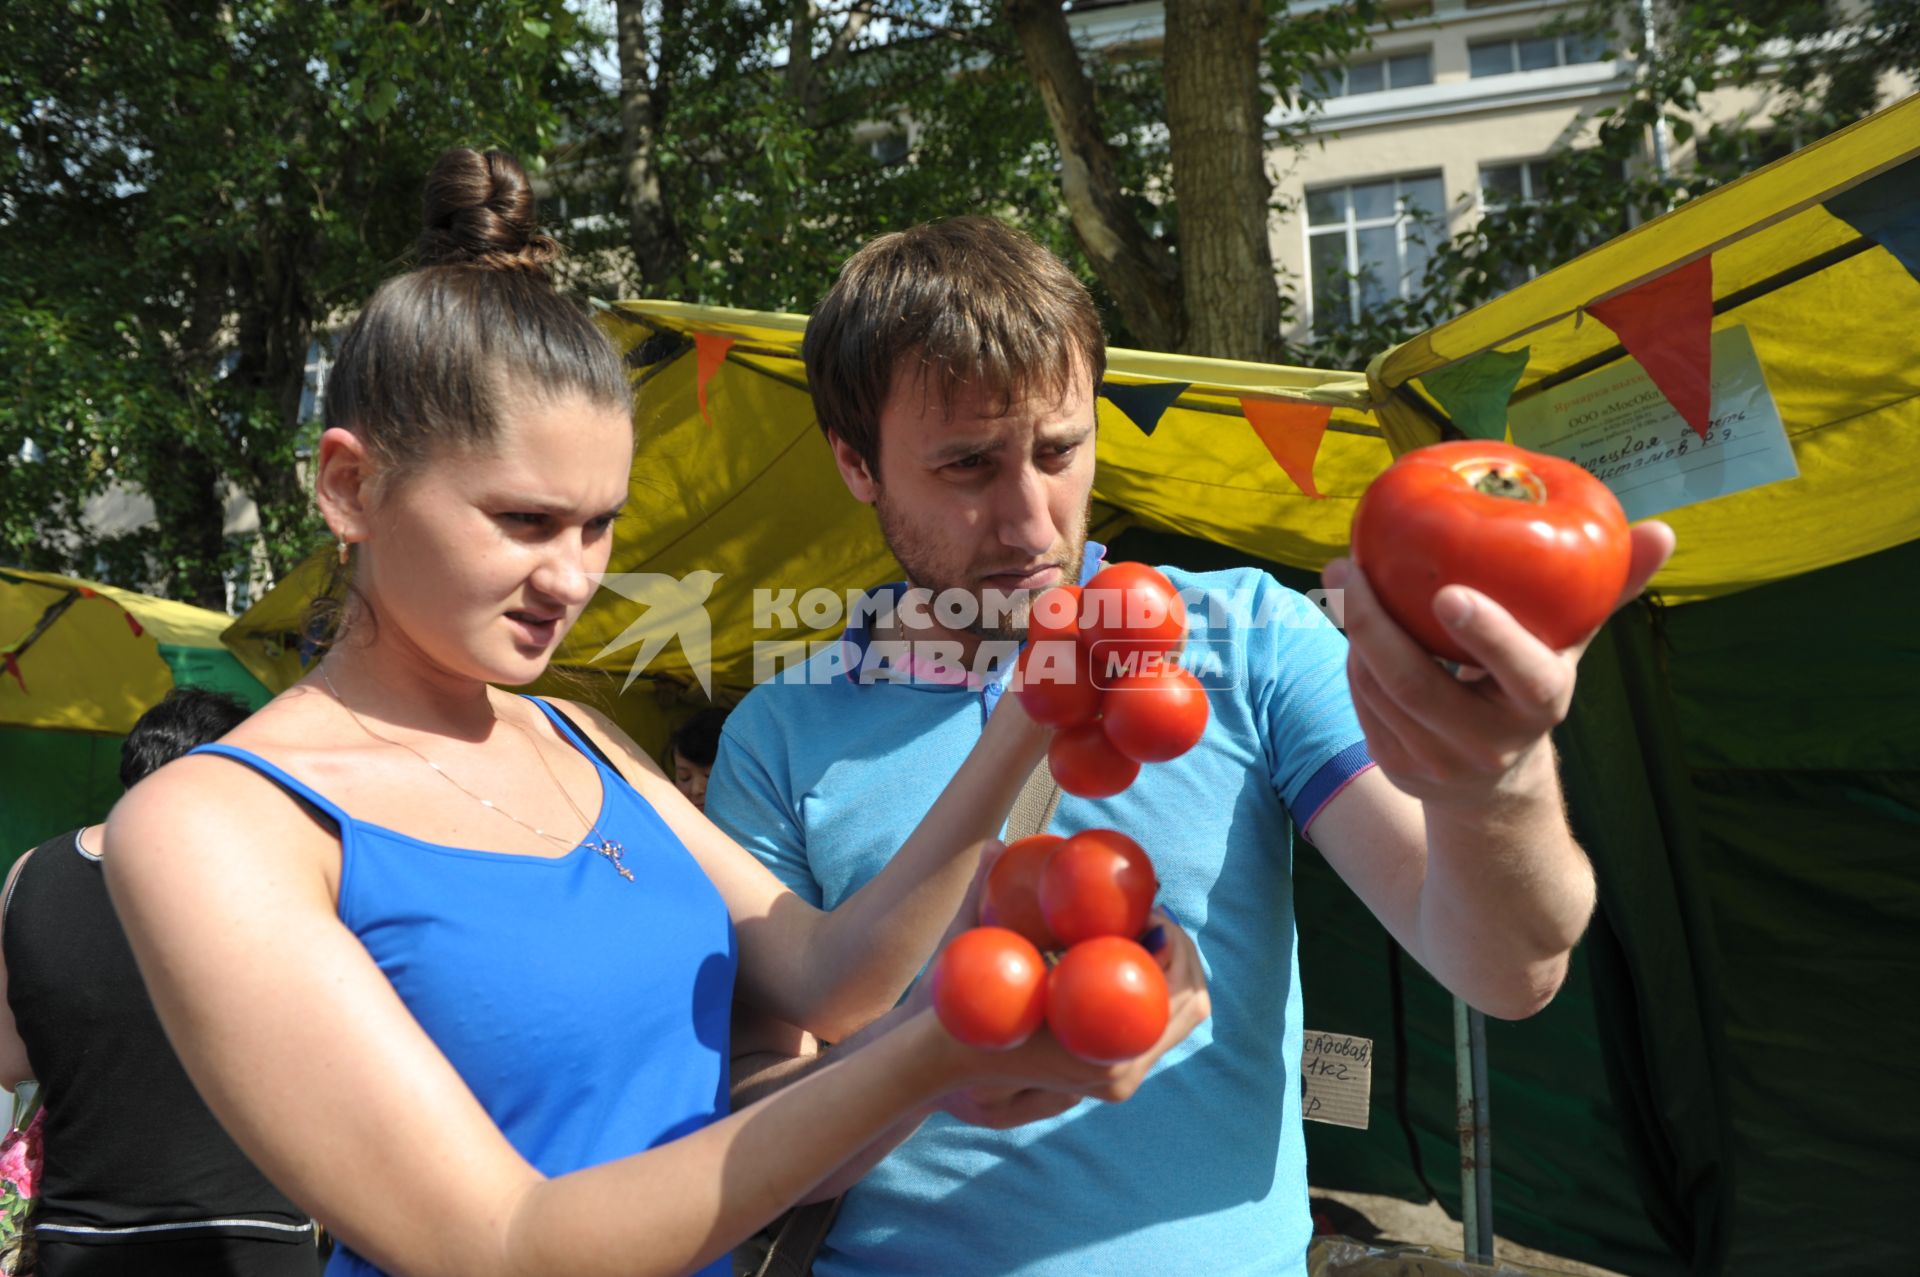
1107 1000
1085 763
1538 535
1097 883
990 988
1054 683
1011 898
1128 609
1154 717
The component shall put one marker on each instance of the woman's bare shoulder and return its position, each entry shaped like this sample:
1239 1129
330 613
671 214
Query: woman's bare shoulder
211 801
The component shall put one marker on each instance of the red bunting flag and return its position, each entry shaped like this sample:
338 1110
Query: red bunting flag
12 664
710 351
1667 324
1292 433
133 623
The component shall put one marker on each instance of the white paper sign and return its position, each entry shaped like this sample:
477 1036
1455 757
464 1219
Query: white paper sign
1336 1079
1616 424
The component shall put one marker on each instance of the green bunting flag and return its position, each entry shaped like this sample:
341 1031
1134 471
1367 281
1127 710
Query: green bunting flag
1474 392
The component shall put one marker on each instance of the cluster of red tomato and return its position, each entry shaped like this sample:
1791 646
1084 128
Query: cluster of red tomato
1102 669
1104 998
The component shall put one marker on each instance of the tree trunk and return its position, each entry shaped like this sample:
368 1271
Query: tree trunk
651 233
1217 134
185 487
1141 275
269 379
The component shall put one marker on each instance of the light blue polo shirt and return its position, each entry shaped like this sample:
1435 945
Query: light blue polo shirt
1204 1169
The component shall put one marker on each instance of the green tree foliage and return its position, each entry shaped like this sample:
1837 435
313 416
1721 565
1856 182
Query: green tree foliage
188 194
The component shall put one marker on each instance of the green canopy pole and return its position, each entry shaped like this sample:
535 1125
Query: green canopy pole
1476 1135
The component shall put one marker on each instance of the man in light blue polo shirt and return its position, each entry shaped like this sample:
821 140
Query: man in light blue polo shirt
953 368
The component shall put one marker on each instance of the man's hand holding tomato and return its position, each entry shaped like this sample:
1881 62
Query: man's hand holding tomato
1459 737
1467 774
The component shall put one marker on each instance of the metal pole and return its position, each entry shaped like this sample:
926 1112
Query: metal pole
1476 1133
1650 52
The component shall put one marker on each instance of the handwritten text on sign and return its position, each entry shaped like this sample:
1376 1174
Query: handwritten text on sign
1336 1079
1616 424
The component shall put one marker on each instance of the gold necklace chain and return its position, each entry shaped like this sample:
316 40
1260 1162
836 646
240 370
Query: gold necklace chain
612 850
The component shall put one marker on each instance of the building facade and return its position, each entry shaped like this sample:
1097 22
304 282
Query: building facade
1448 114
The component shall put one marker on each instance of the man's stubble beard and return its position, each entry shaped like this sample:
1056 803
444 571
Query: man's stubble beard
916 555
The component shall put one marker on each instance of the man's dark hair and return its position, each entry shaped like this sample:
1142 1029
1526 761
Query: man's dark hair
187 717
968 301
698 739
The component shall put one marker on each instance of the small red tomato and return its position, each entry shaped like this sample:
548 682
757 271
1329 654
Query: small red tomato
1129 609
1011 898
1097 883
1107 1000
1085 763
990 988
1055 615
1538 535
1154 717
1054 685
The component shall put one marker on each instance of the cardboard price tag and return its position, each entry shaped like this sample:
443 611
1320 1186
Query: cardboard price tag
1336 1079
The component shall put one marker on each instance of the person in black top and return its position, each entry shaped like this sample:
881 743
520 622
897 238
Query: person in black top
139 1178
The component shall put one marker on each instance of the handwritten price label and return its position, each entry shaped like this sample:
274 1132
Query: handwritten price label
1336 1079
1616 424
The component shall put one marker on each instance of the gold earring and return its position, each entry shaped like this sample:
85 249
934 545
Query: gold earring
341 542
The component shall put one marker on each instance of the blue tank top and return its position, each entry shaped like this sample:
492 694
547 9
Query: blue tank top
588 1014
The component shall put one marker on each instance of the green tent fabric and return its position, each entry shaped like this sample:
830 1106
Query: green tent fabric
53 781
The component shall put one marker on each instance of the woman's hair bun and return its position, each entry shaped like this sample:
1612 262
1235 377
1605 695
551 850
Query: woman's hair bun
480 211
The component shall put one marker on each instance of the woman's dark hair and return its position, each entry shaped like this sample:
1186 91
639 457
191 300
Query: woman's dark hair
442 353
473 329
185 718
698 739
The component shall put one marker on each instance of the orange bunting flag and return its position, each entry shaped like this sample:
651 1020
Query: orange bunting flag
1292 433
709 352
1667 324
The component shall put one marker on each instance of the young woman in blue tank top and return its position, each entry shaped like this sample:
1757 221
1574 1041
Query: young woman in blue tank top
456 984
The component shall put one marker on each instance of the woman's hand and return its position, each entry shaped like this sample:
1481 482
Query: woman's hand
1041 1078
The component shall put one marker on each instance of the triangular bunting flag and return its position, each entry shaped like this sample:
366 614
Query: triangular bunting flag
12 664
1292 433
709 352
1474 392
1667 324
1887 211
1144 405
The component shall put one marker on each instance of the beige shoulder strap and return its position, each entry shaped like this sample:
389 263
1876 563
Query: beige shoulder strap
1033 807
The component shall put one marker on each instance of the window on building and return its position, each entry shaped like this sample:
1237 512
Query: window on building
1534 53
1519 185
1368 242
1402 70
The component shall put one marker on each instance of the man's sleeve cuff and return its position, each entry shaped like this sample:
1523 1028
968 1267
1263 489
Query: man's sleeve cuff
1334 775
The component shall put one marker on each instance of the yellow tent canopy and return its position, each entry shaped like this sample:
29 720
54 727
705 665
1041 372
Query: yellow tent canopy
1830 314
77 655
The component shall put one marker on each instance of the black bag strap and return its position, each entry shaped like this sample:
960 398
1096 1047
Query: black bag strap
586 740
